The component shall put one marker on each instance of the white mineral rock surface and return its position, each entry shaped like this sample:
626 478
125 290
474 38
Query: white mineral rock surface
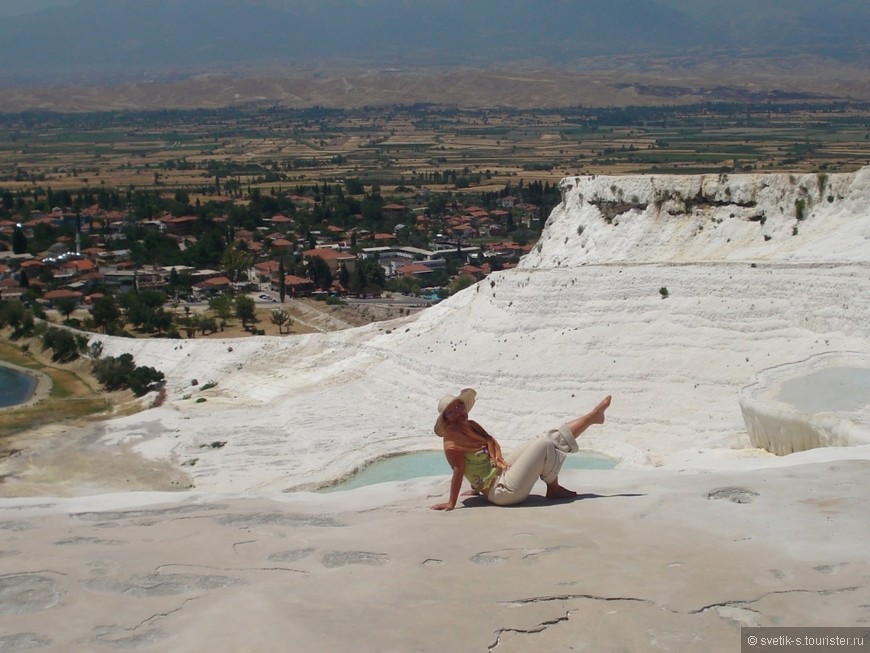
673 294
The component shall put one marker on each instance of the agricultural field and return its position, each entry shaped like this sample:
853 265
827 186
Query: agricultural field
229 152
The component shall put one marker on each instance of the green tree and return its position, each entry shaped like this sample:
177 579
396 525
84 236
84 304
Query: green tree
19 240
368 276
246 310
112 372
66 305
235 262
117 373
282 280
354 186
64 345
222 305
17 316
319 272
461 283
142 378
145 310
280 317
208 324
523 236
179 284
159 320
407 285
189 324
359 281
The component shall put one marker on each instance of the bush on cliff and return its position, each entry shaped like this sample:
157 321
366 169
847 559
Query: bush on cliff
118 373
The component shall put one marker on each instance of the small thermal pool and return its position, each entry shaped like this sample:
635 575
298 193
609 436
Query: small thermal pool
15 387
831 389
404 467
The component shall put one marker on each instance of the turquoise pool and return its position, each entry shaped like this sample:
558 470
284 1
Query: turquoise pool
431 463
15 387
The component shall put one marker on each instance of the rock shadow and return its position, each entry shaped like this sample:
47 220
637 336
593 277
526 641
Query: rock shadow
536 500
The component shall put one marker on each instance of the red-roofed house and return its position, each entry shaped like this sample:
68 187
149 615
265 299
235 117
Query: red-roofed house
45 219
32 267
79 267
281 245
10 289
472 270
266 271
181 226
385 238
214 285
477 212
394 211
53 296
280 222
463 230
295 286
244 235
414 270
501 215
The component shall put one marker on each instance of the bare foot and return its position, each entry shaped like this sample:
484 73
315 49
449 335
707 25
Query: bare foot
556 491
597 413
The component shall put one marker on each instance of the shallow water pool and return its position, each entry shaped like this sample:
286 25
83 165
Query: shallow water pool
830 389
432 463
15 387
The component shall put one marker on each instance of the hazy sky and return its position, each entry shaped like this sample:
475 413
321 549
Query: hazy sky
14 7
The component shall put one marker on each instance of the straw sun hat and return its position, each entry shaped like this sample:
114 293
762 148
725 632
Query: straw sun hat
466 396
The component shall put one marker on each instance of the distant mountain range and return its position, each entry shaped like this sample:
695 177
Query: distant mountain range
111 39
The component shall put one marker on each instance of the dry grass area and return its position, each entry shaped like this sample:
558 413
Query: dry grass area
75 394
307 316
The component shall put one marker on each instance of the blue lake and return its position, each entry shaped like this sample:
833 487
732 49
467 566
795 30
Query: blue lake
432 463
15 387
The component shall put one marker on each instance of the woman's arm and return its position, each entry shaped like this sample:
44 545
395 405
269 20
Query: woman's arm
493 448
457 464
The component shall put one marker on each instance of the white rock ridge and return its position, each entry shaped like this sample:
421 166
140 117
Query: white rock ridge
669 292
808 218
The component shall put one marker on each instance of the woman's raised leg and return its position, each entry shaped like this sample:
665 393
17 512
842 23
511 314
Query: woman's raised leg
577 426
540 458
594 416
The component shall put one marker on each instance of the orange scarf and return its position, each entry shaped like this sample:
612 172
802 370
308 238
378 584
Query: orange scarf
471 436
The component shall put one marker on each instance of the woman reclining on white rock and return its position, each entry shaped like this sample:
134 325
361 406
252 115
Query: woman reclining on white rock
474 454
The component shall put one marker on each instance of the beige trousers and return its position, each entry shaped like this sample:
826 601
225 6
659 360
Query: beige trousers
539 458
